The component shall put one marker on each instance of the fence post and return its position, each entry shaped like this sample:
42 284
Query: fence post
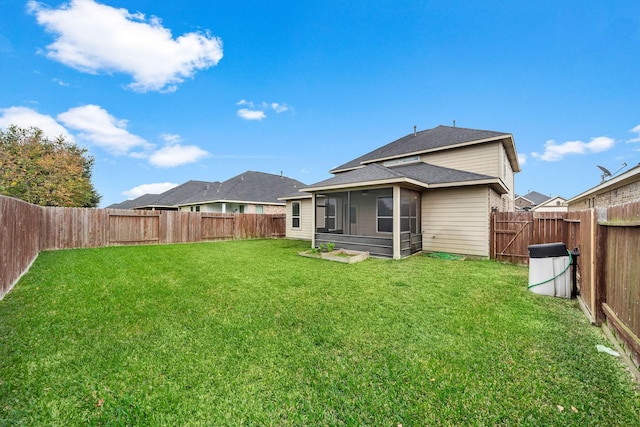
492 237
600 266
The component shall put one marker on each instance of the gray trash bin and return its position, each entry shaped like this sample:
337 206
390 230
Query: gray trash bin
549 270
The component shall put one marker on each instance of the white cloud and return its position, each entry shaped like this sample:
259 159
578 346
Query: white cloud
99 127
258 112
156 188
177 155
247 114
171 138
26 117
522 159
279 108
635 130
554 152
95 126
95 38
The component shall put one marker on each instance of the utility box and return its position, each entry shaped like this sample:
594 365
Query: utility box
549 270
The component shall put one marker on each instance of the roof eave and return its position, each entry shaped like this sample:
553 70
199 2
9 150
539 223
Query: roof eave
209 202
296 197
496 183
372 183
625 178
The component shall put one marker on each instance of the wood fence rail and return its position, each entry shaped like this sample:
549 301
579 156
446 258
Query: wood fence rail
26 229
608 241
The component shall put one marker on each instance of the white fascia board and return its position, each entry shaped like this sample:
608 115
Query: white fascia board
296 197
378 183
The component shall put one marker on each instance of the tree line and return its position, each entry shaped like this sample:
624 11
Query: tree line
44 171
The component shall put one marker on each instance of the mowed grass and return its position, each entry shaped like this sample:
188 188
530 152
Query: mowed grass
249 333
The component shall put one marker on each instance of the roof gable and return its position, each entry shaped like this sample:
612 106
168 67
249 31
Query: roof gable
440 137
535 197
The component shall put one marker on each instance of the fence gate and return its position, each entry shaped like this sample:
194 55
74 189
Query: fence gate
511 233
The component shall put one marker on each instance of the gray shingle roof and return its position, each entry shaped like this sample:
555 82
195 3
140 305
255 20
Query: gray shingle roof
143 200
249 186
536 198
426 140
175 195
422 172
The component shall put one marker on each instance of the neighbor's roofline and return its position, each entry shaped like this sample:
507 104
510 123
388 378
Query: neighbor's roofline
617 180
206 202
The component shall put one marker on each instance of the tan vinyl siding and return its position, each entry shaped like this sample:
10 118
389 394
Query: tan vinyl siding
305 232
480 158
507 177
456 221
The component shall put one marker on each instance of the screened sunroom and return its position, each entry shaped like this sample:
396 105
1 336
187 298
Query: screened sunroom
383 221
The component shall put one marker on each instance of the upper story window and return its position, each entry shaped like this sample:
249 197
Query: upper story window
402 161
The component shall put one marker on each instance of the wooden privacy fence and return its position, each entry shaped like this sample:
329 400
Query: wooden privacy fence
19 240
64 228
608 240
26 229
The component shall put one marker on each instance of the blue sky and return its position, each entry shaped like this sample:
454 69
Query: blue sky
162 92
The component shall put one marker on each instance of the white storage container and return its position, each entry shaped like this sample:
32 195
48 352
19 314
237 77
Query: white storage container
549 270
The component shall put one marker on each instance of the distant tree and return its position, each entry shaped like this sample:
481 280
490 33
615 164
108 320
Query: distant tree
45 172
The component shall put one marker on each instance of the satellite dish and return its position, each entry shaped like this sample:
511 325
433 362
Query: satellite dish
605 172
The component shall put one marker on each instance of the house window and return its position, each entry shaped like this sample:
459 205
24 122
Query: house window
295 215
403 161
259 209
195 208
385 214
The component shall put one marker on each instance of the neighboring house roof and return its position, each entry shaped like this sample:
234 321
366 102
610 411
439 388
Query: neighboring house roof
171 198
630 176
438 138
421 174
535 197
135 203
551 203
250 186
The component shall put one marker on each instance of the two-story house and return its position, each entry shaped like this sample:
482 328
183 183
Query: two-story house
430 191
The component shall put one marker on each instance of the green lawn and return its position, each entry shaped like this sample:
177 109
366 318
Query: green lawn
250 333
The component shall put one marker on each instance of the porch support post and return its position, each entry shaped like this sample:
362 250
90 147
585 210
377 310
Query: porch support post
396 222
313 220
